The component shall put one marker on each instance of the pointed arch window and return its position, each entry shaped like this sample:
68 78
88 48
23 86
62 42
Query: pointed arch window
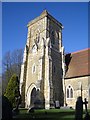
52 37
69 92
37 38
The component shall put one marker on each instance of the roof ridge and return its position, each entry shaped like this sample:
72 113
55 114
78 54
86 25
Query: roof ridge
86 49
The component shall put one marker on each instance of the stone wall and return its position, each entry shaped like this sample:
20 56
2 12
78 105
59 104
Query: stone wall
55 34
77 84
36 32
44 60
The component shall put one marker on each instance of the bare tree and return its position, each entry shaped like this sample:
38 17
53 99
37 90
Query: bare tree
16 58
7 65
11 65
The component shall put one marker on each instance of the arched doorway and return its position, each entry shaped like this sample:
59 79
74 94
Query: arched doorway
33 96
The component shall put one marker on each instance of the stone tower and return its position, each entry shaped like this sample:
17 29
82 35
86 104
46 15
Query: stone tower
42 68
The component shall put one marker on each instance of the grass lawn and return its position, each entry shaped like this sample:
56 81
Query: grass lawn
52 114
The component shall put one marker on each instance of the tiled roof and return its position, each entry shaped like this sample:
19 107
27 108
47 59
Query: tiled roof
77 63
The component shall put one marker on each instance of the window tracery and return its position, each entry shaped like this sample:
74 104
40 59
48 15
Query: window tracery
69 92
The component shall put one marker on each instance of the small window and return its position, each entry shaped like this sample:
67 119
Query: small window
33 68
69 92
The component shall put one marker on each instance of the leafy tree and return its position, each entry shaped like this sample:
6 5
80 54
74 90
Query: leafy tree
12 90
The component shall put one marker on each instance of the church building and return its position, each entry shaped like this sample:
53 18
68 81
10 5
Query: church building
77 77
50 78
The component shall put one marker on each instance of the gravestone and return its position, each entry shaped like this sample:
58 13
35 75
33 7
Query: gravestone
38 101
87 116
31 110
85 103
79 109
18 102
6 109
57 105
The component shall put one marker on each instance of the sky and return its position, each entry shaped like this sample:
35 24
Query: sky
73 16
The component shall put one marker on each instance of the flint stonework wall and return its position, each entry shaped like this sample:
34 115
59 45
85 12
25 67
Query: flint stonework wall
76 83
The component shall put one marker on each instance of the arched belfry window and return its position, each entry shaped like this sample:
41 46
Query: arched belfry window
52 37
37 38
57 35
69 92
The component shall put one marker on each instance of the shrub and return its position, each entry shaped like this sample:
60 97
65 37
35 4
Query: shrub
12 90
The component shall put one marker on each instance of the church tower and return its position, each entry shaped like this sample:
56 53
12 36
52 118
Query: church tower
42 68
